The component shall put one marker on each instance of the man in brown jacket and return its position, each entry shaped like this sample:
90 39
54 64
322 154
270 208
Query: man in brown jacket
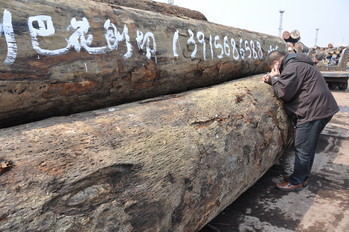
300 85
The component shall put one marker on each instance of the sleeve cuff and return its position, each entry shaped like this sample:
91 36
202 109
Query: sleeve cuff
273 80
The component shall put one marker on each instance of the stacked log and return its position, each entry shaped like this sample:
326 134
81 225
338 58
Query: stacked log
333 55
301 48
166 164
329 55
294 45
330 58
295 35
286 35
290 47
62 57
292 37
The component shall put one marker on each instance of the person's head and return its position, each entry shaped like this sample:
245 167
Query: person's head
275 58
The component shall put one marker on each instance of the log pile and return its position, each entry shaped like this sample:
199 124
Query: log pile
62 57
169 163
293 42
292 37
329 56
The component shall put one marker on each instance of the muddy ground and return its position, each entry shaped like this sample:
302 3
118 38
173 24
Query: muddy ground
321 207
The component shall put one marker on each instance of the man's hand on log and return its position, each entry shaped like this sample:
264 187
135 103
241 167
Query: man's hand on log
266 78
275 72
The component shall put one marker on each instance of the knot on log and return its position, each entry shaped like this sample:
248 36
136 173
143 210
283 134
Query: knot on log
5 165
95 189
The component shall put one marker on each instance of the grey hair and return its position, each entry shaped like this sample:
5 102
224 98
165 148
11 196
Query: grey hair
273 56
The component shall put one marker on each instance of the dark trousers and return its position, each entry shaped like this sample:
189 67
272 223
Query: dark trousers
307 137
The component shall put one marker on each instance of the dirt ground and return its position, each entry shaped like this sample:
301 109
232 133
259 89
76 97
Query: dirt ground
323 206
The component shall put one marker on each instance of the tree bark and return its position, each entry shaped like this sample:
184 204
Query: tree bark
165 164
159 7
61 57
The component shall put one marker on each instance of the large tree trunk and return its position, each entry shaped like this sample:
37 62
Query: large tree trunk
59 57
160 7
166 164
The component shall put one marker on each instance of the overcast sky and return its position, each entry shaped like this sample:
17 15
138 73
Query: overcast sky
330 16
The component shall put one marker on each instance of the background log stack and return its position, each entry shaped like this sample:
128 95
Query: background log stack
169 163
328 56
325 58
293 42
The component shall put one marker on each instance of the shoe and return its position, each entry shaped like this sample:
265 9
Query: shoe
305 183
288 187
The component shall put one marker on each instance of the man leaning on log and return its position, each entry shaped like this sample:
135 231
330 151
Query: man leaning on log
297 82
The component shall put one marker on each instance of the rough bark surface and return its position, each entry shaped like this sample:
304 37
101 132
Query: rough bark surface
159 7
60 57
165 164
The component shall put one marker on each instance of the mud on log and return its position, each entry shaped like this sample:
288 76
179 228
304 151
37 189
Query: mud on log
165 164
60 57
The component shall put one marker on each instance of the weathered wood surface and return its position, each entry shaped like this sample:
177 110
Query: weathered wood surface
158 7
59 57
166 164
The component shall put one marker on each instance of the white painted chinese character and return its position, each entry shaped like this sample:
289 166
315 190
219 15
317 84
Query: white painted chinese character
45 28
7 28
78 38
144 41
113 38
